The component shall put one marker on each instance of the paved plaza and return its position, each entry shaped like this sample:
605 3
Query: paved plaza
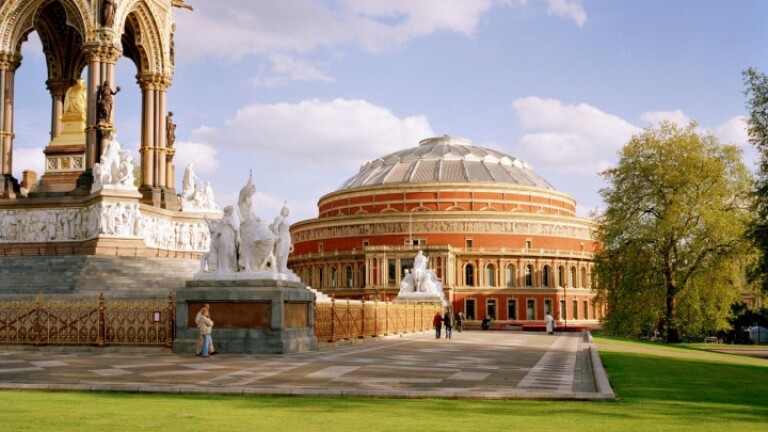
473 364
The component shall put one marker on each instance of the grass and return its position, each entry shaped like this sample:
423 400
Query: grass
660 388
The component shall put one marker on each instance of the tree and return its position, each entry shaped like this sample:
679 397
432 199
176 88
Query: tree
672 231
757 128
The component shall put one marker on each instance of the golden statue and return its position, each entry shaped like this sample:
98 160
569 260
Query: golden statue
76 98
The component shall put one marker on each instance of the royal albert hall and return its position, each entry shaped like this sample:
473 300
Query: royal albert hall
505 243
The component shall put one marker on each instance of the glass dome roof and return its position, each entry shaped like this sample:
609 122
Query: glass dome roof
446 159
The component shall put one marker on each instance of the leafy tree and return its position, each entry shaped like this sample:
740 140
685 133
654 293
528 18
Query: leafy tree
672 231
757 127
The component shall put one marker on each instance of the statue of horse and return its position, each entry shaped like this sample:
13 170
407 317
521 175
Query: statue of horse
257 241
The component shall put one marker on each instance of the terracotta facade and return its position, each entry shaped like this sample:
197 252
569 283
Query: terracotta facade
504 250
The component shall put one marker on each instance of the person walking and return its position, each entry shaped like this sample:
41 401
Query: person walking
447 324
205 326
459 319
549 320
437 321
199 347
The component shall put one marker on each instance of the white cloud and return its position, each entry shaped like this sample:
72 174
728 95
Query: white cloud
312 132
571 138
288 68
570 9
28 159
237 28
734 131
422 17
584 140
284 31
202 156
675 116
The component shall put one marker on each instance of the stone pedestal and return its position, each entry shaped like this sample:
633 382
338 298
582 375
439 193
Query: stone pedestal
259 316
65 155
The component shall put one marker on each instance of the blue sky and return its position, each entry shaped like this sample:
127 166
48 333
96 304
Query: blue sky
305 91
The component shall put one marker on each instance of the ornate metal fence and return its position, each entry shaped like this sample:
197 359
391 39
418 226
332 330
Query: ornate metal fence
88 322
103 322
352 319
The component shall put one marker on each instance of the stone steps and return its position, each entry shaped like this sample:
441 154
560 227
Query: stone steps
123 276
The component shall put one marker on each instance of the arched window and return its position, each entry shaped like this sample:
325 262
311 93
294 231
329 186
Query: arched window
348 277
583 277
319 277
561 276
545 276
573 278
529 275
490 275
510 276
363 279
333 277
469 275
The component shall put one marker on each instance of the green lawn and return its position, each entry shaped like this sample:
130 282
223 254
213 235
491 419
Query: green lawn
660 388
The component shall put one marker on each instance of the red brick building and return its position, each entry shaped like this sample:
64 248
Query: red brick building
505 243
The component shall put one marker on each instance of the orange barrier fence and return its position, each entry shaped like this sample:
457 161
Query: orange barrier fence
352 319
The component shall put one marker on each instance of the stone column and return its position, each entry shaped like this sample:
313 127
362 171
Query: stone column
9 62
101 67
368 269
156 158
170 170
147 134
6 133
58 89
94 80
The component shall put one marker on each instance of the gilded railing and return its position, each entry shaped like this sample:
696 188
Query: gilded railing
87 322
139 322
351 319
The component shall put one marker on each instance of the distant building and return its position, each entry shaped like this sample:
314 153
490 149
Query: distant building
505 243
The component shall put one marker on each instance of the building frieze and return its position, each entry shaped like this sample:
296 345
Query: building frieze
544 228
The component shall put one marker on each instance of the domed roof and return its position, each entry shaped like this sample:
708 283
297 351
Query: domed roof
446 159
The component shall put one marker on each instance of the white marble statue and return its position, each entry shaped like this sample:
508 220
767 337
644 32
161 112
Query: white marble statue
209 201
193 197
244 246
283 245
419 270
227 239
114 169
421 283
188 185
257 241
406 285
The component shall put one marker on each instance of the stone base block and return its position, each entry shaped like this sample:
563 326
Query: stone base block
250 316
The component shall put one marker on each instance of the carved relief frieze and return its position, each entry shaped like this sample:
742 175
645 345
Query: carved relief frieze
104 219
447 226
173 235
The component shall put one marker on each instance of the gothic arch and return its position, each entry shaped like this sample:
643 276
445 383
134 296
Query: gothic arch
146 26
17 20
62 43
